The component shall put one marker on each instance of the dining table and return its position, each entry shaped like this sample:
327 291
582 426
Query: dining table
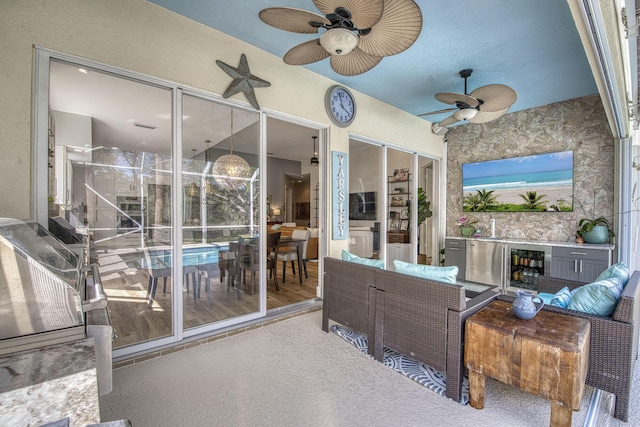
159 263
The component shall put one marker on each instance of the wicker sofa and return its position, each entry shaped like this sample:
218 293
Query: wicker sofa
613 348
418 317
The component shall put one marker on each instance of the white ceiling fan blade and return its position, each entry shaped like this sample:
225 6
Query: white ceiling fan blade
354 63
291 19
305 53
446 110
495 97
454 98
487 116
448 121
398 28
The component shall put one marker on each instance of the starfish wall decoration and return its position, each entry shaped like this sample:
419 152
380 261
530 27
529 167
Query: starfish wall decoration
243 81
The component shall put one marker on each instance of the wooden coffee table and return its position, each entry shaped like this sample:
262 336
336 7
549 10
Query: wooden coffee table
546 356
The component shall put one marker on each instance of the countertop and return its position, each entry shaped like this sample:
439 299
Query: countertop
513 241
48 384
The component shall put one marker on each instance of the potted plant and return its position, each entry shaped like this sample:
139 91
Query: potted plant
594 230
466 226
424 206
424 212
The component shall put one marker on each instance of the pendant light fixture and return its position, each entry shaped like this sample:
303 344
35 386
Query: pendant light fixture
231 165
194 190
314 159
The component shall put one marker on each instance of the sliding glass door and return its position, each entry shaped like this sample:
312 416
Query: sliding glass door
170 209
392 214
221 200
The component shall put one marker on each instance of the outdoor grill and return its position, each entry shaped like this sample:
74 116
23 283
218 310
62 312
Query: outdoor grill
50 296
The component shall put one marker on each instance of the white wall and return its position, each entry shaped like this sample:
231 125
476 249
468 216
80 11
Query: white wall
145 38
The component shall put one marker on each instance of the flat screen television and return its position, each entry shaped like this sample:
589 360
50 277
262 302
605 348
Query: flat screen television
362 206
537 183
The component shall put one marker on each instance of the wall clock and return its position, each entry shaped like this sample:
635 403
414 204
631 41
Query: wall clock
340 105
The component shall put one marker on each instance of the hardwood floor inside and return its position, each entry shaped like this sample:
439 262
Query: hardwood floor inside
134 321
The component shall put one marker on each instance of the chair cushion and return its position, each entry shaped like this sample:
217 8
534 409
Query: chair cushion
441 274
599 298
561 298
348 256
616 270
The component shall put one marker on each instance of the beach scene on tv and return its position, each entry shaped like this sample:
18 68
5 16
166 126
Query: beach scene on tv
537 183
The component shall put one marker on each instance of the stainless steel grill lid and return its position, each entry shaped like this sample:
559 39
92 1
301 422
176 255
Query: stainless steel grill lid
38 287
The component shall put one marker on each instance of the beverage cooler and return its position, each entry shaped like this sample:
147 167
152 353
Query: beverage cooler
524 264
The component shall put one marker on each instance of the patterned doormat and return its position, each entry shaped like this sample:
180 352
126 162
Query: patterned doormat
410 368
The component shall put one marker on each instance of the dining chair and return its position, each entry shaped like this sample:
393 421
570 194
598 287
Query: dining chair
246 260
292 254
249 258
228 266
158 264
273 246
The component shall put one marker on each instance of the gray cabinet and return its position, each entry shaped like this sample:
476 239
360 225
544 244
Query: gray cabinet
579 264
455 254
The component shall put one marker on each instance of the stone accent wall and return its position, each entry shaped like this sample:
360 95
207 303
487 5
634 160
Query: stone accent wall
579 124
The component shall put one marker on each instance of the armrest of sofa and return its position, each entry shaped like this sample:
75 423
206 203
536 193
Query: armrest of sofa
628 308
481 299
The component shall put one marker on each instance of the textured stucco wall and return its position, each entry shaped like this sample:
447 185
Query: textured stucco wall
579 125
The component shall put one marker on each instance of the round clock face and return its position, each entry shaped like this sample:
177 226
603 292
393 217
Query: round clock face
340 105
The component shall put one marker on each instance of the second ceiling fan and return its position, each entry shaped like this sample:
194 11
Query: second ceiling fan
482 105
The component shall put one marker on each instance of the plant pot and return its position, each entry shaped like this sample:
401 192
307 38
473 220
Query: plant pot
599 234
467 231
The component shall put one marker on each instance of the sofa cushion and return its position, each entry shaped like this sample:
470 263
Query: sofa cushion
616 270
348 256
545 297
441 274
599 298
562 298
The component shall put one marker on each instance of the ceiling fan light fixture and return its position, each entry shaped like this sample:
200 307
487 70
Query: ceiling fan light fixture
465 113
339 41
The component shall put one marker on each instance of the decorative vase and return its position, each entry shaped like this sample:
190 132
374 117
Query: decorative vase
599 234
524 305
467 231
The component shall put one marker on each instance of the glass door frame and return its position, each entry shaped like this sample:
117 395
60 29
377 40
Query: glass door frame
437 203
39 161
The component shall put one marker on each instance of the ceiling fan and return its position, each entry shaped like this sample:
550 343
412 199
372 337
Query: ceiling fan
483 105
356 34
